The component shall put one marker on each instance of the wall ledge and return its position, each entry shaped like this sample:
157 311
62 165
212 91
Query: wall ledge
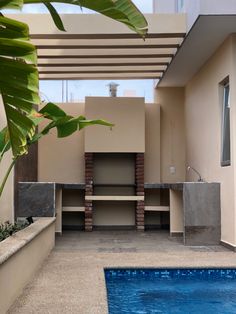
14 243
228 245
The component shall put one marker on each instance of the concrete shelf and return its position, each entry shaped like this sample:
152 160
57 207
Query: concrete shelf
113 198
113 185
73 209
157 208
73 186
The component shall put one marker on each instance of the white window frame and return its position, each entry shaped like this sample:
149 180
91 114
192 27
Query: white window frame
225 127
179 5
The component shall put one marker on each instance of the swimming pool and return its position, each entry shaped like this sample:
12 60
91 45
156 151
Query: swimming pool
180 291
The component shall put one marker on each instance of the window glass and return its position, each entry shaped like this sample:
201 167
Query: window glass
179 5
225 151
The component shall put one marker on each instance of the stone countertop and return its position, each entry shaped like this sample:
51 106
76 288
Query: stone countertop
73 186
65 186
173 186
147 186
81 186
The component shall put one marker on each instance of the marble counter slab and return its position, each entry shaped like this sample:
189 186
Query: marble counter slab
36 199
173 186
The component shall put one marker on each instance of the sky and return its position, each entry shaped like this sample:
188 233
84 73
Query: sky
145 6
77 90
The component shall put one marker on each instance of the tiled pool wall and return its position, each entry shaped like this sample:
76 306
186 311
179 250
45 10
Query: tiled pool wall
167 273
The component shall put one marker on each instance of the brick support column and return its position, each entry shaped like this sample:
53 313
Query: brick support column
139 178
88 191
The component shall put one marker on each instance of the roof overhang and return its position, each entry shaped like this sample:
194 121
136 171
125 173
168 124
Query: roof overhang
96 47
206 35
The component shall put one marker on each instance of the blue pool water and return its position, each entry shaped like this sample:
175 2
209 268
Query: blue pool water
178 291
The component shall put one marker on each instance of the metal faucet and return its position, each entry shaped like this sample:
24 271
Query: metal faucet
200 179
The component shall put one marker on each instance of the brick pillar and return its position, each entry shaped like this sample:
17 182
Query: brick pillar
88 191
139 177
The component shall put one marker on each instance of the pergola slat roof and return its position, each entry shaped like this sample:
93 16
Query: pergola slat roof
95 47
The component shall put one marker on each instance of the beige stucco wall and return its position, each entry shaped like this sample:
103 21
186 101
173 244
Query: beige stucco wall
128 115
163 6
20 257
152 143
172 133
203 130
114 214
62 159
6 200
114 168
176 212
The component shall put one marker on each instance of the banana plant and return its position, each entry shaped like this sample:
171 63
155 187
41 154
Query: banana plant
58 119
18 62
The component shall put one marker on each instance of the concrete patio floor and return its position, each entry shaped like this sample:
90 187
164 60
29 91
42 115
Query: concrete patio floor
71 280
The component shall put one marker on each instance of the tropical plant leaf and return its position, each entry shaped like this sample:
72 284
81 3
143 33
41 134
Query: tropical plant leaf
52 111
35 117
19 75
18 81
67 128
123 11
11 4
21 121
56 17
10 28
65 124
20 129
24 76
5 144
18 49
85 123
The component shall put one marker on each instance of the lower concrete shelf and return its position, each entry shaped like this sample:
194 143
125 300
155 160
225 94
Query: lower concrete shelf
157 208
73 209
114 198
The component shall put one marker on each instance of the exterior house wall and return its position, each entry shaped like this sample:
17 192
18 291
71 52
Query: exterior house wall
217 6
152 161
6 200
203 111
128 116
172 134
21 256
163 6
62 160
195 8
205 7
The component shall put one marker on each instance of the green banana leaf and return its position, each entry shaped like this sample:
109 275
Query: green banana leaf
19 75
123 11
4 142
18 81
11 4
65 124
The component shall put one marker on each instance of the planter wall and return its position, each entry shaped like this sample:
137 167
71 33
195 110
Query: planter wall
20 257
